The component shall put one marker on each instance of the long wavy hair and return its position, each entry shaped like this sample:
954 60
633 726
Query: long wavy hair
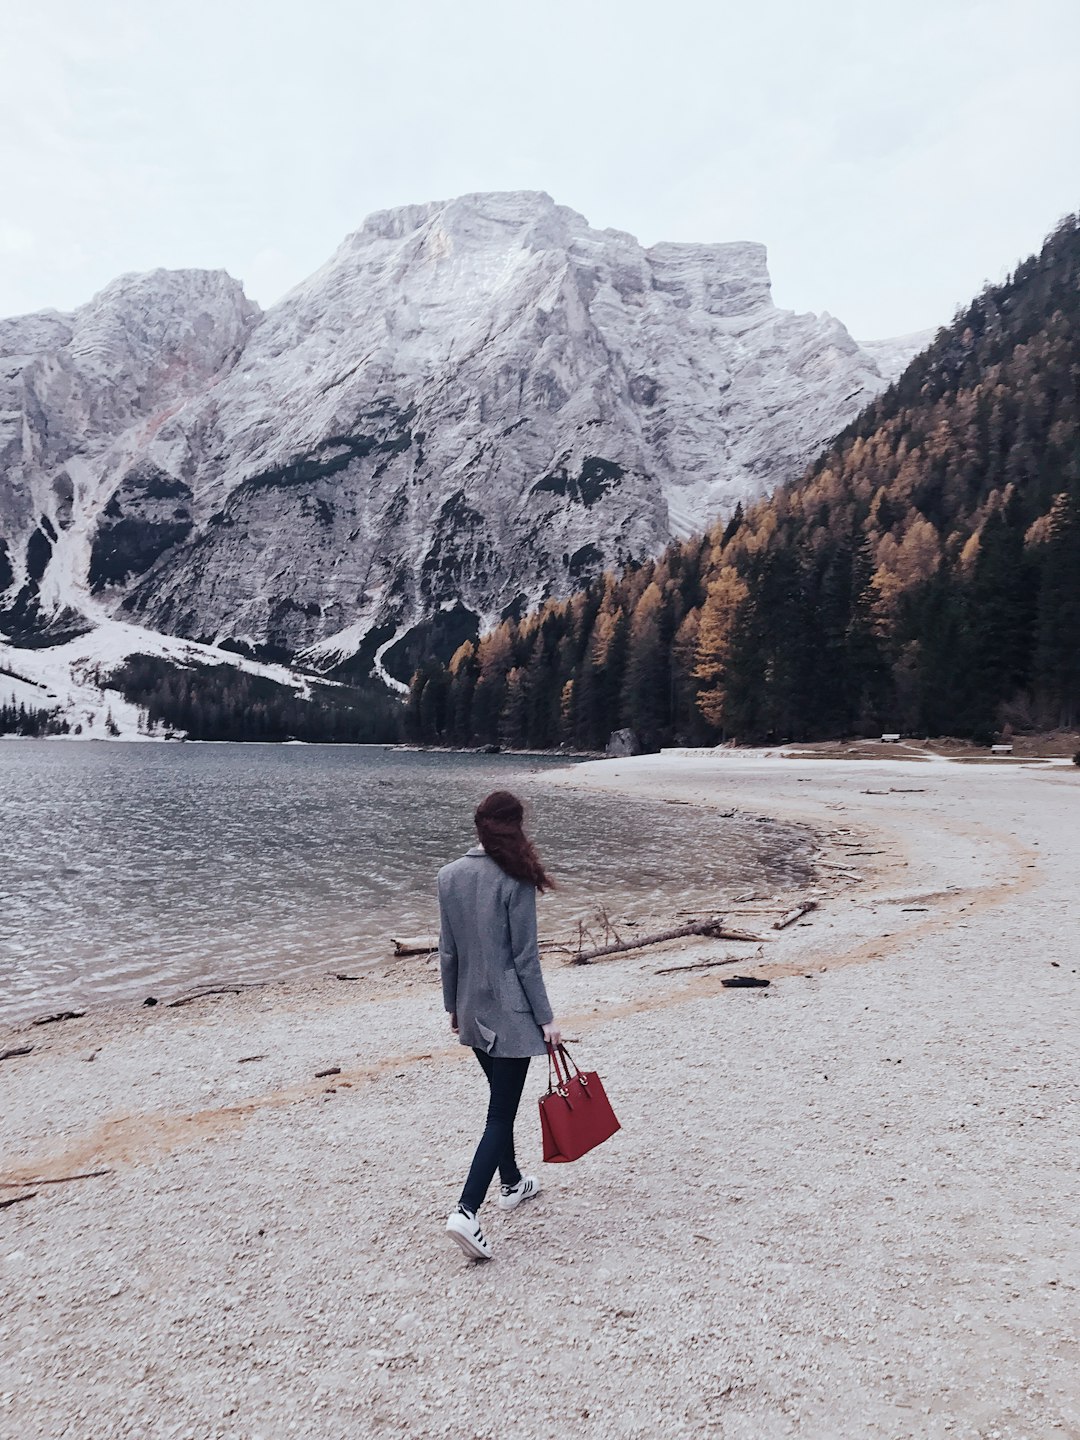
499 826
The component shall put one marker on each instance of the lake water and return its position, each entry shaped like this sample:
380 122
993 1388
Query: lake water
131 869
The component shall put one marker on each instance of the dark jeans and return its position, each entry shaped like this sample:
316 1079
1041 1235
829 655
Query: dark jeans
506 1077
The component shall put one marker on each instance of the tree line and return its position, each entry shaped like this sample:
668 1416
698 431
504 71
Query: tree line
18 719
219 702
922 576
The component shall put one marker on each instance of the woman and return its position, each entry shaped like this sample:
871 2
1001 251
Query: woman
494 992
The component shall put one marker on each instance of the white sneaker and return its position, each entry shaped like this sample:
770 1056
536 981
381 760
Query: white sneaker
512 1195
464 1227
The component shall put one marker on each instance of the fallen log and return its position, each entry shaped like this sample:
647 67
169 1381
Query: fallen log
793 915
60 1015
711 929
19 1050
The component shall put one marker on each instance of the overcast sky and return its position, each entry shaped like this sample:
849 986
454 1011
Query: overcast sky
892 157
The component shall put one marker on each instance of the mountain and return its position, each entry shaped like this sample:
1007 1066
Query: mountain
923 575
472 406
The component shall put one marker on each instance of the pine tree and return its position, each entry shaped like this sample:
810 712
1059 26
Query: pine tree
645 704
1057 660
1001 603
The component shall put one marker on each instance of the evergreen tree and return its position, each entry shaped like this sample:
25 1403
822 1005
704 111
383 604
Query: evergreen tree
922 574
1057 662
1000 603
646 688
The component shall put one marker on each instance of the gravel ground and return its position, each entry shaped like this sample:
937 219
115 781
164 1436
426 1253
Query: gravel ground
844 1206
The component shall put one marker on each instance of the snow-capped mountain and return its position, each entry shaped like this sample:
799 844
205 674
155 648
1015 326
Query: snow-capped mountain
472 405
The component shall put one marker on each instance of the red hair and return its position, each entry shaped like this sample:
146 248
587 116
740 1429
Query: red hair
498 824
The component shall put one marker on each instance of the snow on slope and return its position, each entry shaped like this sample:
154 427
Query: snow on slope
473 405
72 679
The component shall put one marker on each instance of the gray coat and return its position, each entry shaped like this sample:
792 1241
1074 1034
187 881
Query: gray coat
489 957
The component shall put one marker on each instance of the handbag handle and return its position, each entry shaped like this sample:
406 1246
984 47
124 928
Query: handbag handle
557 1054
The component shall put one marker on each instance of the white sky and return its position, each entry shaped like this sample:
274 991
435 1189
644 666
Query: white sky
892 157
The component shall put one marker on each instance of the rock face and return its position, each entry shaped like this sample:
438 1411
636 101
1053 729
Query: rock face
82 398
472 405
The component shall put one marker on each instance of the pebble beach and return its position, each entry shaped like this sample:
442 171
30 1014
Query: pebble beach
842 1205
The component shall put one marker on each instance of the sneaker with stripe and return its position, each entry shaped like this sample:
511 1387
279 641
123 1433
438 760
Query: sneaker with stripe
463 1226
511 1196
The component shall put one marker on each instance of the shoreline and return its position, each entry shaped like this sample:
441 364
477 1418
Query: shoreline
822 1217
29 1020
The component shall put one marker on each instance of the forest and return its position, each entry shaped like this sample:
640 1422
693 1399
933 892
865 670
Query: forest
33 721
922 576
218 702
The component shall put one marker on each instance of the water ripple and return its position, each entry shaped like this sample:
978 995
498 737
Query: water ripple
136 869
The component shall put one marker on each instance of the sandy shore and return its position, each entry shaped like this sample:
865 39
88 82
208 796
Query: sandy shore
842 1206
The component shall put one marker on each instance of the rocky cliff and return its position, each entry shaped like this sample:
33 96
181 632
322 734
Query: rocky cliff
472 405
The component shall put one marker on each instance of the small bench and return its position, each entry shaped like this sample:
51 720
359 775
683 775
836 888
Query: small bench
891 739
1000 749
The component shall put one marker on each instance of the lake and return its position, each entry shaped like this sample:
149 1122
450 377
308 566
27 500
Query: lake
129 870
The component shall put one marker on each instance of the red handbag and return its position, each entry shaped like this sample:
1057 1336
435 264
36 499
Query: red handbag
575 1114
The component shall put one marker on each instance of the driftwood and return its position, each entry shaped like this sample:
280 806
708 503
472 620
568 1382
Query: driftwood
712 929
415 946
761 909
60 1015
19 1050
793 915
423 945
840 869
332 1070
249 1059
743 982
16 1198
57 1180
700 965
212 990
